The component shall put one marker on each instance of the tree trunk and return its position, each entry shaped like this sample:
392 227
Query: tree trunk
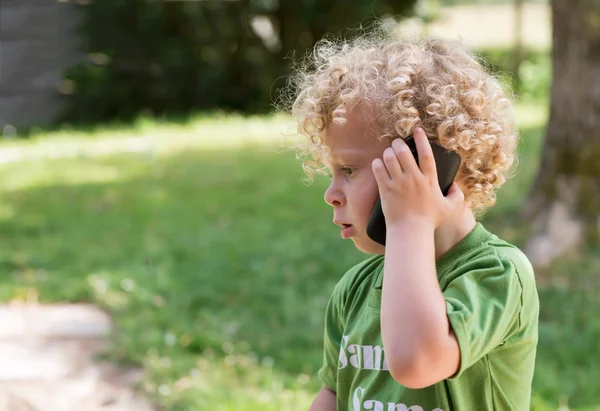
565 199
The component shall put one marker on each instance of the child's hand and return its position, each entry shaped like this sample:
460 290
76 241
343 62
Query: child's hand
409 193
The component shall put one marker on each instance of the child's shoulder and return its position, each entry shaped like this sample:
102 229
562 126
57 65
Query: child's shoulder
492 272
492 254
511 252
511 256
493 261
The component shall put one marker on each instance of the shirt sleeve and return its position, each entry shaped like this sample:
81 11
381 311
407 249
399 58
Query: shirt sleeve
332 339
483 302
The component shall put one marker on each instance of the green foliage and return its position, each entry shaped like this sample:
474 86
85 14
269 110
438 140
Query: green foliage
216 262
536 77
166 57
535 72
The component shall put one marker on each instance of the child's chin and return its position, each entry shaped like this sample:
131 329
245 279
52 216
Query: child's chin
368 246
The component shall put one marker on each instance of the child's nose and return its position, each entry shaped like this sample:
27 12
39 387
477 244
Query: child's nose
334 197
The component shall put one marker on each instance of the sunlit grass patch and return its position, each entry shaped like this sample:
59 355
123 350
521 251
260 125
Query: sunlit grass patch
216 262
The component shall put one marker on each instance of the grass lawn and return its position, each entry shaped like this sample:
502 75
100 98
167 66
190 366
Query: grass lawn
216 261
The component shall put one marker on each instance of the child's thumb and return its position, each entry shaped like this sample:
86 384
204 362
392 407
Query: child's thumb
455 196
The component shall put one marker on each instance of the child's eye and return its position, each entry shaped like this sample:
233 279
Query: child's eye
347 170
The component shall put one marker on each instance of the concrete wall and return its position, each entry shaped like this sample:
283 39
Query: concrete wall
37 42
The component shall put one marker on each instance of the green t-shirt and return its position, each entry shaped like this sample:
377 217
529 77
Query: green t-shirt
493 307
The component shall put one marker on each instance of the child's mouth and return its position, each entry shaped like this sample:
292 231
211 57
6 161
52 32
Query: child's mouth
346 230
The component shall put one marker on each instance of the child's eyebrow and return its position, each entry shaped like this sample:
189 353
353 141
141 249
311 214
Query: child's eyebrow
340 162
348 154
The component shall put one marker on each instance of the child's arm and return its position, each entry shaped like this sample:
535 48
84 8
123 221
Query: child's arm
420 347
324 401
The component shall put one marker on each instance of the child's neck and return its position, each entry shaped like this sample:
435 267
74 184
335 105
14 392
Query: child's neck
453 230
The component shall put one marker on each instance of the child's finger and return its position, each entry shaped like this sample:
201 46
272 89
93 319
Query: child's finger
405 156
426 160
391 163
381 174
455 195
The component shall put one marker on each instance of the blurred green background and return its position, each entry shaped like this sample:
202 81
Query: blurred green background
168 195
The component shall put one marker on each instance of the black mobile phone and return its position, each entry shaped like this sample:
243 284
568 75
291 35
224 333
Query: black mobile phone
447 164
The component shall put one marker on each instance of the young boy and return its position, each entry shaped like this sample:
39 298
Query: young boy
445 316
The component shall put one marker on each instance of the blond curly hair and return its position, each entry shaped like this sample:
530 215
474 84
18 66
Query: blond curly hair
430 83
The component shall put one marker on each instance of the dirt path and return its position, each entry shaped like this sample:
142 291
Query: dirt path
47 361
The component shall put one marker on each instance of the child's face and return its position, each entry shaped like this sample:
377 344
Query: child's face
353 190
